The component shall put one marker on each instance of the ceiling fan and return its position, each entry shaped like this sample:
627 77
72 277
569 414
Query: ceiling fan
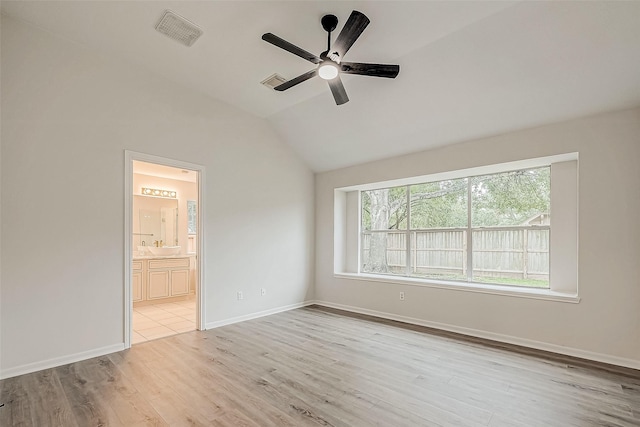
330 63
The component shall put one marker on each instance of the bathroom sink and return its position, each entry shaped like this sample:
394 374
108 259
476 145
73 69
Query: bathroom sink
165 250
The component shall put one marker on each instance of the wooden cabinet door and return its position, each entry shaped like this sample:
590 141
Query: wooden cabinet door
158 284
179 282
136 284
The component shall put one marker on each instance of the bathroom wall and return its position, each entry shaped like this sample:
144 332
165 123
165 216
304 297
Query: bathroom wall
68 115
185 191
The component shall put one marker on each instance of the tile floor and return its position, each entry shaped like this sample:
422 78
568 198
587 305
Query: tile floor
161 320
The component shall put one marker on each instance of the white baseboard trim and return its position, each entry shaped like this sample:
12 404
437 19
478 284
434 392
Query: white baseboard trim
569 351
539 345
250 316
59 361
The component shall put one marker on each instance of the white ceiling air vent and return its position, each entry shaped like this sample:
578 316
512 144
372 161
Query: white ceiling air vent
178 28
273 80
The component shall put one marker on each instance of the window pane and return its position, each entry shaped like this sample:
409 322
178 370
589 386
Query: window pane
192 216
439 254
537 260
517 257
511 198
441 204
384 209
384 252
509 232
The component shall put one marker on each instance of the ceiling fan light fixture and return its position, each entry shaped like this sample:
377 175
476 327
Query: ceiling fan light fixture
328 71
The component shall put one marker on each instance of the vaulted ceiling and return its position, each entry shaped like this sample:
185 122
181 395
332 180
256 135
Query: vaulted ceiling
467 69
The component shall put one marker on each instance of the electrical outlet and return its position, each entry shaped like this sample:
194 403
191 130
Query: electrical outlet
240 297
401 296
263 291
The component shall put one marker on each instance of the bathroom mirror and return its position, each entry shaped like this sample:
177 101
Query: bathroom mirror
155 219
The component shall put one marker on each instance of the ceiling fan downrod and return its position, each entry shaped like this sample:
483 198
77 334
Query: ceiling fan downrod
329 23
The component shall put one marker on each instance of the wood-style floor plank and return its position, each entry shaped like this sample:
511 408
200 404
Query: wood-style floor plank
322 367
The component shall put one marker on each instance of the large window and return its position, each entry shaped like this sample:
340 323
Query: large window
484 229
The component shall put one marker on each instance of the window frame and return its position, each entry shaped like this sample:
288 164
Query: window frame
563 258
469 231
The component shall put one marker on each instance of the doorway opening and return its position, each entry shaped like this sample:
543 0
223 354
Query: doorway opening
163 248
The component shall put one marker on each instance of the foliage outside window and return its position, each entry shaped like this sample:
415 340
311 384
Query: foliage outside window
484 229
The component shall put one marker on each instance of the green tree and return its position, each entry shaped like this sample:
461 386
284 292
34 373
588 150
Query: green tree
510 198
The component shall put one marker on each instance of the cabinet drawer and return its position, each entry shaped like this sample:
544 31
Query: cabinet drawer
137 265
169 263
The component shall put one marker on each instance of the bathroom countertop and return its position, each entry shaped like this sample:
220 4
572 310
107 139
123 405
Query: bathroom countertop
138 257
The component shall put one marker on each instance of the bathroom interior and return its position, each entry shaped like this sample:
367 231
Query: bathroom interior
165 259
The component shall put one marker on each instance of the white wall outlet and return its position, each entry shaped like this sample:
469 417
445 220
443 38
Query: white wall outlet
263 291
401 296
240 296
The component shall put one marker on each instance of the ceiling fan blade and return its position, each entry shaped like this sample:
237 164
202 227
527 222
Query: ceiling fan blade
374 70
337 89
301 78
355 25
283 44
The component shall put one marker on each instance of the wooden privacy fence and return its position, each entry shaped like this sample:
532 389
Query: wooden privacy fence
516 252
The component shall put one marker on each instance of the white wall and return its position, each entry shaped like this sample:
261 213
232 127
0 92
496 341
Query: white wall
68 114
605 324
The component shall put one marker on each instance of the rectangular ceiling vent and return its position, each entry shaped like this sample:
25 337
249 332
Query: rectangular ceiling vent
273 81
178 28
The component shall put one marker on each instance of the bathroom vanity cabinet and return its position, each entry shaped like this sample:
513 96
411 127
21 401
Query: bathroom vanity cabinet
159 278
136 282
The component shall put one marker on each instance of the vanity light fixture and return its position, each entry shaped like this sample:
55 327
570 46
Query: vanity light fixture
158 193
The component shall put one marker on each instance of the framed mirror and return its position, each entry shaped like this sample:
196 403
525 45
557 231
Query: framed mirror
155 219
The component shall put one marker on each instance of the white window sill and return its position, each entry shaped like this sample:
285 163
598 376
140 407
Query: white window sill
512 291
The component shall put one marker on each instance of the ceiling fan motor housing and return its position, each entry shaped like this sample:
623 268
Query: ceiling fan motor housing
329 22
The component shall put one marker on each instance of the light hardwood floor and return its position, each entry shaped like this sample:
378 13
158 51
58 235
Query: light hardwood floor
317 366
